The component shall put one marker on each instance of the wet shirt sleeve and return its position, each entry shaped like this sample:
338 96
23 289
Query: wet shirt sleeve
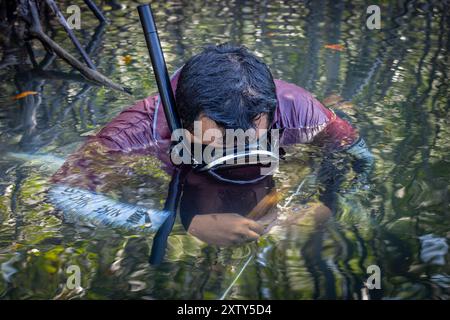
132 129
98 162
302 118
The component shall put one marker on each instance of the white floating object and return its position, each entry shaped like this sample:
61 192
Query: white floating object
82 205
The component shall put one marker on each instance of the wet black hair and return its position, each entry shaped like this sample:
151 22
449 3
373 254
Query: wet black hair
229 85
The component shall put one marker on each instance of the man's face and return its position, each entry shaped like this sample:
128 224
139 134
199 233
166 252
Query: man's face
210 130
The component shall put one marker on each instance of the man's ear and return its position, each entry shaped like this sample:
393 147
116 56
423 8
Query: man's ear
261 121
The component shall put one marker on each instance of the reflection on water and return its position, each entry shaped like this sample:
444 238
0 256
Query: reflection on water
397 81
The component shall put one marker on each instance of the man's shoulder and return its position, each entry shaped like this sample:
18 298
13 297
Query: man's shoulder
132 128
284 88
298 108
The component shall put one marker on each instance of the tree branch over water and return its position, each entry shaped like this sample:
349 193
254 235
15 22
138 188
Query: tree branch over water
28 15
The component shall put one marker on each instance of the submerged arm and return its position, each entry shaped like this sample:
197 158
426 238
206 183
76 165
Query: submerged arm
84 205
343 148
340 138
84 184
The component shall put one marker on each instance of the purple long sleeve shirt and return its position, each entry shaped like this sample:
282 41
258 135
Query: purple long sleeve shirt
143 128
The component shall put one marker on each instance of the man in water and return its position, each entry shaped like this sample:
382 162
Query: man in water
223 87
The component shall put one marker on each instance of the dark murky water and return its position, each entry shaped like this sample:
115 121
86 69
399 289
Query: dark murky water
397 80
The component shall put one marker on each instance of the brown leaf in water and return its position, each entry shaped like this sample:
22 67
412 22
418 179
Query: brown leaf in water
23 95
337 47
126 59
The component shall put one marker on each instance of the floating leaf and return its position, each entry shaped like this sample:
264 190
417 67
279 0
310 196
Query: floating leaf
24 94
126 59
337 47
